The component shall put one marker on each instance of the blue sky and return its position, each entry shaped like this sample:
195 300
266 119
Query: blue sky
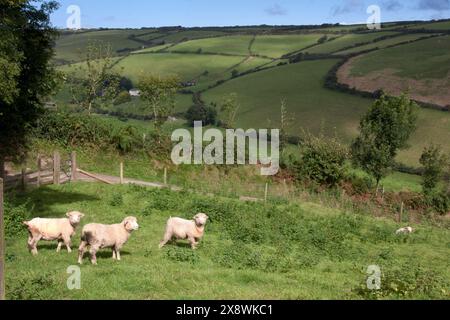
189 13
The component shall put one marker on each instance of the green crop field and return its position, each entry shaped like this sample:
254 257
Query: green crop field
277 46
419 60
236 45
346 41
250 250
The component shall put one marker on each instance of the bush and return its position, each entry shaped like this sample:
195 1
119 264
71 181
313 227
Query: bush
122 97
198 112
322 160
14 218
439 201
116 200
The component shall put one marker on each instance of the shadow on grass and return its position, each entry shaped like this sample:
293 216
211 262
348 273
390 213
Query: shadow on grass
40 201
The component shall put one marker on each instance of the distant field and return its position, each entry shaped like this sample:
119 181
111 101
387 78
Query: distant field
444 25
385 43
187 66
317 108
152 49
345 41
238 45
302 86
70 47
276 46
419 60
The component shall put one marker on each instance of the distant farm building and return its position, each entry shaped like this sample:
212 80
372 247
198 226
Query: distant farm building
135 93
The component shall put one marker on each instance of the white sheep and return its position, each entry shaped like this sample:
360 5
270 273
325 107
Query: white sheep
178 228
99 236
61 230
405 230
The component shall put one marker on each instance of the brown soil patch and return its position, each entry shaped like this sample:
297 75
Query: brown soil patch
435 91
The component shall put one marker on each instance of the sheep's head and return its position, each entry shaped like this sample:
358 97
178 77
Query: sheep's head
200 219
74 217
130 224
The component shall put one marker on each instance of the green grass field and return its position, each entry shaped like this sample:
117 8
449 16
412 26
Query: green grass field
187 66
277 46
419 60
385 43
71 47
309 253
442 25
316 108
346 41
235 45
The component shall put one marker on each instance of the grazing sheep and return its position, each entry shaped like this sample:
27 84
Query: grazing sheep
99 236
192 230
405 230
53 229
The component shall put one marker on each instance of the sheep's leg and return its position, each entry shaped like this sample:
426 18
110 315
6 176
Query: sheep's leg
118 254
167 237
81 251
114 253
192 242
59 246
67 243
34 243
93 252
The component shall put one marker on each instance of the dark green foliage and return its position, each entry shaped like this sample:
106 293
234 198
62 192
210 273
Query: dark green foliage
14 217
384 130
198 112
26 79
322 160
116 200
434 163
122 97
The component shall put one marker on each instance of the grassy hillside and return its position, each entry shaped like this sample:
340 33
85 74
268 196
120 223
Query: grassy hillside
236 45
386 43
250 251
419 60
277 46
316 108
347 40
301 85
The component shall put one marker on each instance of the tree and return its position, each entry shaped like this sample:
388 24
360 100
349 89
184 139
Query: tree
159 95
93 82
322 160
384 130
434 162
229 109
26 77
200 112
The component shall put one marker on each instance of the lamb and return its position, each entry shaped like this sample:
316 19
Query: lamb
404 230
61 230
178 228
99 236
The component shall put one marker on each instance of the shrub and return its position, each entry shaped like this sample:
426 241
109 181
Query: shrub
199 112
180 254
322 160
116 200
434 163
122 97
14 217
439 201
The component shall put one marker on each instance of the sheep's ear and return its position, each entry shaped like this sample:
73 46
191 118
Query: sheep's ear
81 215
68 214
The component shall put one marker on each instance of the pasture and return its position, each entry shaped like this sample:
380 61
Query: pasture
276 46
277 250
233 45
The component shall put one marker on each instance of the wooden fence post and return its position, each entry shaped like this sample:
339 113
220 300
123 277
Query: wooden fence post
23 179
39 168
400 217
73 166
121 172
165 176
2 245
56 168
266 192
